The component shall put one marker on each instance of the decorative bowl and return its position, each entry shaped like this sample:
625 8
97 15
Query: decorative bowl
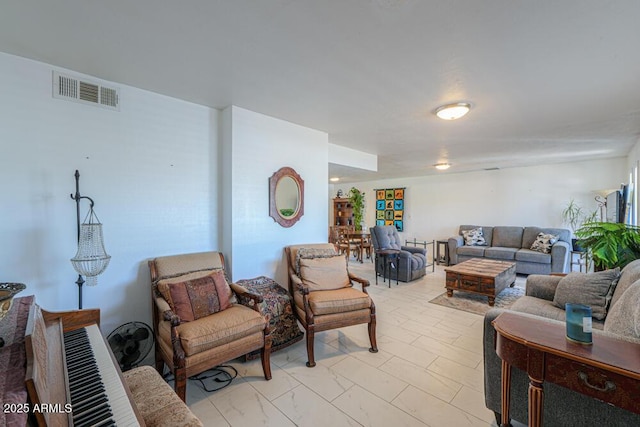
7 292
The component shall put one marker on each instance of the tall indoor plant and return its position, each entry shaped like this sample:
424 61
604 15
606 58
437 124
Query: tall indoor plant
357 201
574 216
610 244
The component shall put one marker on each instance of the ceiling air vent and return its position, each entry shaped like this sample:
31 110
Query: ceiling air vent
85 91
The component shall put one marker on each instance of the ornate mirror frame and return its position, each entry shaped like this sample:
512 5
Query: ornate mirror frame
285 172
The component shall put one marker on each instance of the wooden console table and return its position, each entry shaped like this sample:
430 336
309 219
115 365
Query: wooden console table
608 370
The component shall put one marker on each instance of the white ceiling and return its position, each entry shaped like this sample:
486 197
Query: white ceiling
550 81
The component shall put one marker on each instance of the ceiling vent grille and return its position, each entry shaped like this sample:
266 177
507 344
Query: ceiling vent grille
85 91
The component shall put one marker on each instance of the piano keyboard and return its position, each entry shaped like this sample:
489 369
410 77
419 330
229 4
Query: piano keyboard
98 397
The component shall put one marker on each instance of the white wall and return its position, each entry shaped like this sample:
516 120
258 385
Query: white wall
258 146
151 168
437 204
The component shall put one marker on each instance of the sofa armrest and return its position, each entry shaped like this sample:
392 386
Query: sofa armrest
542 286
454 243
561 257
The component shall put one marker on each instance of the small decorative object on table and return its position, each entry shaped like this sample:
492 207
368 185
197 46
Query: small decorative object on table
7 292
276 306
579 323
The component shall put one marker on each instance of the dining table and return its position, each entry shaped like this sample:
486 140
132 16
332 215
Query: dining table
359 237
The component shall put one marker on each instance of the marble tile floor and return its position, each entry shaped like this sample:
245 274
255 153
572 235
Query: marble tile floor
428 371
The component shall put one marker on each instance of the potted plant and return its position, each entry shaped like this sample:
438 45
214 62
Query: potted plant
357 200
574 216
610 244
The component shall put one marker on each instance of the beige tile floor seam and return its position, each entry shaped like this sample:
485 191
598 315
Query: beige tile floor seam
428 371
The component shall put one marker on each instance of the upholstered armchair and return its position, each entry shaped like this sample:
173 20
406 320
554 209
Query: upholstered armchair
197 321
412 261
324 293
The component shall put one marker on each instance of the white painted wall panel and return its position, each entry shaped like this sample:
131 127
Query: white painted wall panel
151 168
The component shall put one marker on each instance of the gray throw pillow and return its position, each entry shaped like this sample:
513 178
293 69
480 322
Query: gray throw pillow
624 316
544 242
592 289
474 237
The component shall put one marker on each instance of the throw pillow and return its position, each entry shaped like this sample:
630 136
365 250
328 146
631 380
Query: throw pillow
544 242
474 237
624 317
323 274
592 289
310 253
199 297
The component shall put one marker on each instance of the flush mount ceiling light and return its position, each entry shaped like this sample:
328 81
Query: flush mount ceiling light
442 166
453 111
334 179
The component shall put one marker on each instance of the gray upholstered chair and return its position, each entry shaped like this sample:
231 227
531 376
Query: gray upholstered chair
412 261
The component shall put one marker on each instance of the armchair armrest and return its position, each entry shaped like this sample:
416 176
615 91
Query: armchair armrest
243 292
299 285
414 250
363 282
542 286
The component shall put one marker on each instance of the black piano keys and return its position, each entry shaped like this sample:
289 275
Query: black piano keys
88 398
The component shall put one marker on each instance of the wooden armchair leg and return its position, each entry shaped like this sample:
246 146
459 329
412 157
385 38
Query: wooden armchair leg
372 336
180 378
265 357
310 337
159 363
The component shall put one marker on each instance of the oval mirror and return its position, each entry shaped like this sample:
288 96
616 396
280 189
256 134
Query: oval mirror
286 197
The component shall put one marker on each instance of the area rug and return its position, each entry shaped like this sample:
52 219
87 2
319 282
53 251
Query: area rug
478 304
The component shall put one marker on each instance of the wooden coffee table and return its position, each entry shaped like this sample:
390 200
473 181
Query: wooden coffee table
480 276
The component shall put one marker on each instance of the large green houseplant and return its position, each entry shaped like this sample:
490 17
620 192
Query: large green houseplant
609 244
357 201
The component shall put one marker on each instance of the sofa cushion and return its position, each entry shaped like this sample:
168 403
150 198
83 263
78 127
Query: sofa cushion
539 307
198 297
508 254
321 274
508 237
528 255
543 243
474 237
592 289
624 317
628 276
475 251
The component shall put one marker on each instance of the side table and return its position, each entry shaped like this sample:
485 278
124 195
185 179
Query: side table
276 306
388 256
442 257
608 370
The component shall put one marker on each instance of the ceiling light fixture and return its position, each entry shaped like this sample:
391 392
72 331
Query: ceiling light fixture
334 179
442 166
453 111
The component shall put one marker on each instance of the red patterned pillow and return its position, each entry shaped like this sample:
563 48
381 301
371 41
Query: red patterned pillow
200 297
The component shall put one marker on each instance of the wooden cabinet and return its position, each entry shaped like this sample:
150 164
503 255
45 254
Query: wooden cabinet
342 212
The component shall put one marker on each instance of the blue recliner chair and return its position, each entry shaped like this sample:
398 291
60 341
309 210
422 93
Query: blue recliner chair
412 261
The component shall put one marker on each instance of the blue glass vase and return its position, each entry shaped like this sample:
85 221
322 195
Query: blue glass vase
579 323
